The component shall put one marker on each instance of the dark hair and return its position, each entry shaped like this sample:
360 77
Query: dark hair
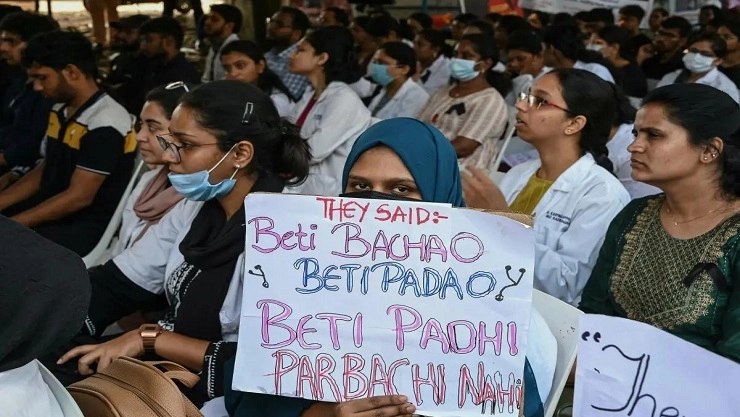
340 15
493 17
268 80
582 16
57 49
231 14
484 27
6 9
362 21
424 19
336 42
615 35
164 26
543 17
695 107
600 15
403 54
663 12
633 10
733 25
437 39
716 11
625 110
382 26
588 95
27 24
563 19
300 20
510 23
168 98
219 107
527 40
679 23
485 46
569 41
465 18
719 46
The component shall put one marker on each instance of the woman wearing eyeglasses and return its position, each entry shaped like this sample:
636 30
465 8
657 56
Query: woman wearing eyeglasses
700 62
225 141
570 190
153 196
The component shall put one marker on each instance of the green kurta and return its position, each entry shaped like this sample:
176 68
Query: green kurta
641 274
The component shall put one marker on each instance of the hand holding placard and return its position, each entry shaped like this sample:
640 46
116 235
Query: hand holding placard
370 298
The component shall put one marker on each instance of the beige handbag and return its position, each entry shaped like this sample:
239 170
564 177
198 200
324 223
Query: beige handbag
132 388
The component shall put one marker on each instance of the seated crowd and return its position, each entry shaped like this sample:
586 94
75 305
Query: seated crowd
630 137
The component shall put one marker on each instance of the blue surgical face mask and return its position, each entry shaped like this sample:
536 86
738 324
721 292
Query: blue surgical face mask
196 186
463 69
698 63
379 74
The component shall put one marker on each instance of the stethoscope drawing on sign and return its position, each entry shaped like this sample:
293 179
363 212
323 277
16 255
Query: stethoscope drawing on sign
260 273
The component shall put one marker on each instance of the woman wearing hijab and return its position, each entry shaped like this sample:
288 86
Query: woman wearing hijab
154 195
403 159
44 294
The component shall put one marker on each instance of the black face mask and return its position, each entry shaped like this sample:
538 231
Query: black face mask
375 195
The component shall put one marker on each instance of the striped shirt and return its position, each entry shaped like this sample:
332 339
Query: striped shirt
480 116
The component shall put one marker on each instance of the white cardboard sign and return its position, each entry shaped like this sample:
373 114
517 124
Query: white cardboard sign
348 298
628 368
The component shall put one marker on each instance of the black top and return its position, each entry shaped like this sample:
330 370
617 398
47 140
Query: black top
631 79
636 43
96 138
655 70
733 73
23 119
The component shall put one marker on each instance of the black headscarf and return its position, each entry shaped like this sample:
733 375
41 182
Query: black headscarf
44 295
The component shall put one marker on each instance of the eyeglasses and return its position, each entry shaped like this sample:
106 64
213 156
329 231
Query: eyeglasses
177 84
536 102
277 23
702 53
175 149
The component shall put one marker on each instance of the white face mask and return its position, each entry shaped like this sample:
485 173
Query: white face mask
594 47
698 63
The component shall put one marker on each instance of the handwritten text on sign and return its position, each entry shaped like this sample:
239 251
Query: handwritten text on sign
346 299
627 368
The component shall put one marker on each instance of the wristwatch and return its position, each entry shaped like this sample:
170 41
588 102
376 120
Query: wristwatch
149 333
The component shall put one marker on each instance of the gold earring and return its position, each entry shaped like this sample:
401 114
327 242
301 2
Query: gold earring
237 166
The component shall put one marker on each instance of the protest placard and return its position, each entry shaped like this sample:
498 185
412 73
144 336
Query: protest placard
628 368
575 6
347 298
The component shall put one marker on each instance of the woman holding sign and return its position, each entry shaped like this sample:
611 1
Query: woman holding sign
570 190
225 141
404 159
671 260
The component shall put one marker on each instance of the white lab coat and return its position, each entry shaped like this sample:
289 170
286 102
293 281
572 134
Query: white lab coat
151 261
24 393
713 78
331 128
282 103
214 60
595 68
621 158
131 224
408 101
439 75
570 223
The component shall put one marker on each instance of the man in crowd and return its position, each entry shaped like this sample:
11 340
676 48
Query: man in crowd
221 27
125 44
7 72
23 111
71 195
284 30
669 44
630 17
163 63
729 30
459 23
597 19
657 16
334 16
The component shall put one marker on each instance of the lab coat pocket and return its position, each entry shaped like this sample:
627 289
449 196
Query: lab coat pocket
550 226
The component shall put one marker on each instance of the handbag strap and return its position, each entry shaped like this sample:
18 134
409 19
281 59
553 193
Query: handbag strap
188 379
168 366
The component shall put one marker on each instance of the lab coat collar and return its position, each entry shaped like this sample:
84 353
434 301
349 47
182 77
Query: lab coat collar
574 175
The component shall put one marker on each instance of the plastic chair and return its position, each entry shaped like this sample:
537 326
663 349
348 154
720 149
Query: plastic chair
504 144
66 402
94 257
562 319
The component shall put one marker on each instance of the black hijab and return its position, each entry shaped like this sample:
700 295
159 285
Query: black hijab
44 295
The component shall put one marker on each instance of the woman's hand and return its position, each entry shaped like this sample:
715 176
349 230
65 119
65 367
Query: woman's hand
645 52
380 406
480 192
129 344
